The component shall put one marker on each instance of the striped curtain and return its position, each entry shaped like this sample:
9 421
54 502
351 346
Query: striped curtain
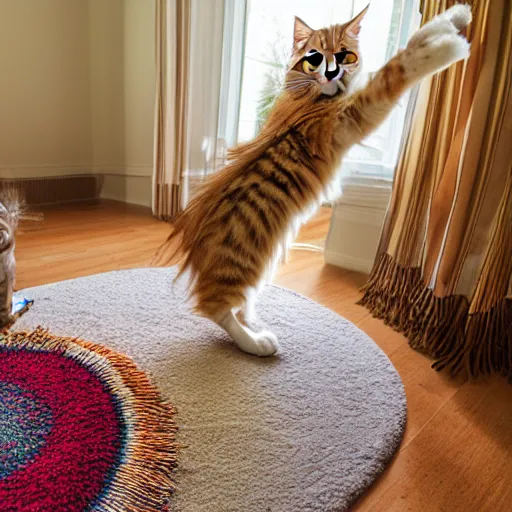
172 83
443 273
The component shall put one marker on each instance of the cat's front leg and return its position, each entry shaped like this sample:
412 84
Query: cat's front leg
434 47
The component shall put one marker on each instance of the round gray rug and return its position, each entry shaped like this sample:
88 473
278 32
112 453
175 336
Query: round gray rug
308 430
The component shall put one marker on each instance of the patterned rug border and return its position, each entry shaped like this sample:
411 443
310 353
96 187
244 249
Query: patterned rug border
151 453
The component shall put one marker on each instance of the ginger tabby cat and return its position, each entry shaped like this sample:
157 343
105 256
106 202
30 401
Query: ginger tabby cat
236 228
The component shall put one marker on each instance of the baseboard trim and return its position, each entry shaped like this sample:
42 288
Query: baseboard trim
136 171
128 206
348 262
56 189
128 189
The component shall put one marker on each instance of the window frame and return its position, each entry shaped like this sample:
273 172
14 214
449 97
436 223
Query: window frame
406 14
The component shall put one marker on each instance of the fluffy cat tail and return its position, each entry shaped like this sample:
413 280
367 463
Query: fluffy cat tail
177 247
187 224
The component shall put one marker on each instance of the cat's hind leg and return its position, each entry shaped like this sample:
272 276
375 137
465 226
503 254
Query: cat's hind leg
222 293
247 313
261 344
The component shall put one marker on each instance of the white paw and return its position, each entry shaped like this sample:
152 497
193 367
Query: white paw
261 344
257 343
460 15
451 21
437 44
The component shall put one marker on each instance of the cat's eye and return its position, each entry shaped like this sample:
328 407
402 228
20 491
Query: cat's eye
312 61
314 57
345 57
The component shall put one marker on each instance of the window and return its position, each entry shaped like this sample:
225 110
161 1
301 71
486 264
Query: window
268 39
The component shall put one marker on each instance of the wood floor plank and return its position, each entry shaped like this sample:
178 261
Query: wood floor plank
461 459
457 451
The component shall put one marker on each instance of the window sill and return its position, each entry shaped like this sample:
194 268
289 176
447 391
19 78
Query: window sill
365 192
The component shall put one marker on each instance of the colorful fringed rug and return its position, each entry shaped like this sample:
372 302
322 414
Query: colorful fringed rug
81 429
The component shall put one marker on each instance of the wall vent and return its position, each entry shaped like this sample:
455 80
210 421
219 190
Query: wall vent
58 189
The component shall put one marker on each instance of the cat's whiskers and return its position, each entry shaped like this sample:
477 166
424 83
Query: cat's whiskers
300 83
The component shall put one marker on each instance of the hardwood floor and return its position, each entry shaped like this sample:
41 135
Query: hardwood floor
457 450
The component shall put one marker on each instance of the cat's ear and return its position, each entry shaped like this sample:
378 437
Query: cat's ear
353 27
301 33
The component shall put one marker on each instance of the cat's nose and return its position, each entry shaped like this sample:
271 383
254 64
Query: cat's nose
331 75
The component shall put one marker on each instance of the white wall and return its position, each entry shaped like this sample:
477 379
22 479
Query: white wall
139 81
122 34
127 188
106 68
77 90
45 110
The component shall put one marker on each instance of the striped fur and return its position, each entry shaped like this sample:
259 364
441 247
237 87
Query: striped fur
238 224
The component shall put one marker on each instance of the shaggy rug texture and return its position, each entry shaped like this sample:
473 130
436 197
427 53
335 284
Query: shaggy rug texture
81 429
307 430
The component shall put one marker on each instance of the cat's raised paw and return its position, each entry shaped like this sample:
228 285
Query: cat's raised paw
460 15
437 44
450 22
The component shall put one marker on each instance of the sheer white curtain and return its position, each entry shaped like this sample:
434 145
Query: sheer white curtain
197 42
172 50
218 29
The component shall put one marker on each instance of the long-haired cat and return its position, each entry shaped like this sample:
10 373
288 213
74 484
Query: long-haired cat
235 228
10 211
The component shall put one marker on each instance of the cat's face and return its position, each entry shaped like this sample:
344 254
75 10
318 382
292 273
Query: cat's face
326 55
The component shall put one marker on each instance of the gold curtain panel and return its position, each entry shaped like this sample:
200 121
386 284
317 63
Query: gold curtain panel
443 273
